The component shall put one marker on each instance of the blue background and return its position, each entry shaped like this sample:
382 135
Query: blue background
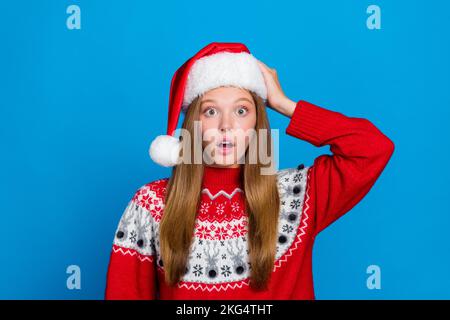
78 109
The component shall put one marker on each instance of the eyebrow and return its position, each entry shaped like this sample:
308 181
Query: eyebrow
214 101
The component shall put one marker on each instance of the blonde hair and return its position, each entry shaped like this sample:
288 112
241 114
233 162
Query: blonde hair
182 200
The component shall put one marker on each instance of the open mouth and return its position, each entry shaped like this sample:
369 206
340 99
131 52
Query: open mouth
225 147
225 144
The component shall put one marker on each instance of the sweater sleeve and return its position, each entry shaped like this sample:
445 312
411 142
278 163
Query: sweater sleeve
360 153
131 271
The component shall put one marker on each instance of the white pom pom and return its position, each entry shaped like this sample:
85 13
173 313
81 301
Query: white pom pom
165 150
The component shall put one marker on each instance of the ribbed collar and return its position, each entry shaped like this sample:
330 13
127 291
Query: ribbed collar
222 176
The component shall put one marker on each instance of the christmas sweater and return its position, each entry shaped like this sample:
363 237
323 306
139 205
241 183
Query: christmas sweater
311 198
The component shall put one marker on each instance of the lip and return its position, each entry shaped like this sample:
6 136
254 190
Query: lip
225 150
225 140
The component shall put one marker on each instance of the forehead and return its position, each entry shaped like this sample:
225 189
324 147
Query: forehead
226 94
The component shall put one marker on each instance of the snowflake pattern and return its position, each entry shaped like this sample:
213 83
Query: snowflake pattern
225 270
235 206
133 236
295 204
221 231
220 208
151 197
298 177
152 243
204 207
203 232
287 228
213 211
198 270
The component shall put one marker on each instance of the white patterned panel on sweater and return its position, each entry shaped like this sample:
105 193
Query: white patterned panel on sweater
135 230
217 261
292 188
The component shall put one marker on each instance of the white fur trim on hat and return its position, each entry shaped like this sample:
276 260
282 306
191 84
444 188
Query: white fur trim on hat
224 69
164 150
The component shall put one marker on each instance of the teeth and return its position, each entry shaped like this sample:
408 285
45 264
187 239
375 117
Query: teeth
228 144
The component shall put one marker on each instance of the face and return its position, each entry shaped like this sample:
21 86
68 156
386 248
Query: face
226 113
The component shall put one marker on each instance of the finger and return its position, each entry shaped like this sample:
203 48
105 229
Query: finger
264 65
265 70
261 66
269 69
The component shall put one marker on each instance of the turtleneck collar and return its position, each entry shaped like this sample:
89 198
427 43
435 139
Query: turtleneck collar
222 176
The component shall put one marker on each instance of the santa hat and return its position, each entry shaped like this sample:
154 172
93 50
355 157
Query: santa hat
218 64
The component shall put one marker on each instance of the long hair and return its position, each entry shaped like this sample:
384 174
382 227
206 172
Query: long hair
182 199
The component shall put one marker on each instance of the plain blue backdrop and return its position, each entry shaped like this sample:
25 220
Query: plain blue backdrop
78 109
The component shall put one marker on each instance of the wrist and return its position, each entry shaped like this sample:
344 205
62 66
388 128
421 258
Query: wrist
287 107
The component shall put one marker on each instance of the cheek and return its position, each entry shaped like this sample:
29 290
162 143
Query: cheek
209 128
246 125
206 124
250 122
247 122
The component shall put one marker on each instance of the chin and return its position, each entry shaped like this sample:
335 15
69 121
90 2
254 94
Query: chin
222 162
226 161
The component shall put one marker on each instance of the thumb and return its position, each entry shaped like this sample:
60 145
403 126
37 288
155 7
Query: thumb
266 72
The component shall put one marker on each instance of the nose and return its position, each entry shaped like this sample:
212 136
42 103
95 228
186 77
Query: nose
225 124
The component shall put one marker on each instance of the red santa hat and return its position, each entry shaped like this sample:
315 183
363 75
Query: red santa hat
218 64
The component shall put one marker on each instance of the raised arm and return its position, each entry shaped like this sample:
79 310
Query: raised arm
360 153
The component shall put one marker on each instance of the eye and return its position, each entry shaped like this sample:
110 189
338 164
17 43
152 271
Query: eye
208 112
242 111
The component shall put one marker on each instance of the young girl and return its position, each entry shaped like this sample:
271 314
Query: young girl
220 228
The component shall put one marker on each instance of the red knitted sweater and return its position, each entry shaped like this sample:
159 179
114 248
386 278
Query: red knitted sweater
312 197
